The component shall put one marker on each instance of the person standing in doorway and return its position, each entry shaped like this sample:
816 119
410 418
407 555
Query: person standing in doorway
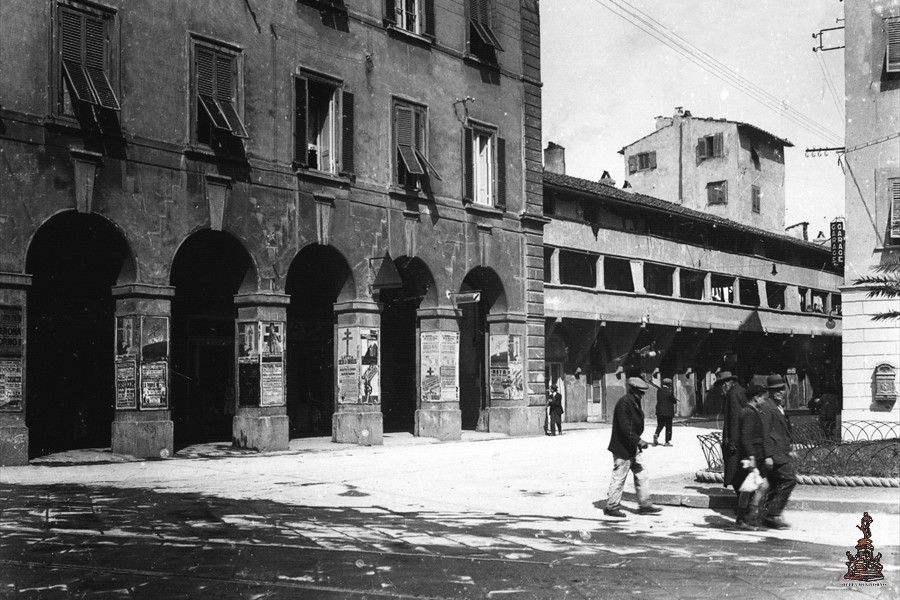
665 411
777 453
556 411
626 445
734 399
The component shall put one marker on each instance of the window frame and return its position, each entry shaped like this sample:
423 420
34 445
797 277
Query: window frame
411 167
496 165
892 44
710 146
481 39
642 161
893 190
755 199
721 191
341 132
220 111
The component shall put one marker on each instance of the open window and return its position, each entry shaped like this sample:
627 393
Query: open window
692 283
84 43
484 167
218 93
722 289
710 146
578 268
617 275
413 16
658 279
717 193
323 125
411 143
483 41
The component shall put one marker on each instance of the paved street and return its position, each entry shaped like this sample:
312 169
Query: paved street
497 518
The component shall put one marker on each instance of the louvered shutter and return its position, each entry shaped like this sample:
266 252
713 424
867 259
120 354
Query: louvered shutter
895 209
206 87
468 166
348 129
428 9
501 174
390 11
893 46
301 149
406 139
420 145
653 160
225 96
95 62
72 32
701 149
633 163
718 145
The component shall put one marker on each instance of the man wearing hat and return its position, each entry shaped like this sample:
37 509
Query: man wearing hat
734 399
777 453
665 411
556 411
751 455
626 445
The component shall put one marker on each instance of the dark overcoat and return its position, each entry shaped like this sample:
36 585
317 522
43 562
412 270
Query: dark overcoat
665 402
735 401
628 426
776 434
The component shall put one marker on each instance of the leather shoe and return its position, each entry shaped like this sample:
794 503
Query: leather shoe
667 444
775 522
649 510
614 512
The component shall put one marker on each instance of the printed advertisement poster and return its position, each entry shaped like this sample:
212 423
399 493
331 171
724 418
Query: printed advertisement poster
370 380
154 392
248 341
273 340
272 381
126 382
127 336
506 367
348 365
154 339
11 334
11 385
248 382
439 370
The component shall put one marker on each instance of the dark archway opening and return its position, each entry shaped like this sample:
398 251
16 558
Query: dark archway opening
473 327
398 347
318 276
74 260
209 269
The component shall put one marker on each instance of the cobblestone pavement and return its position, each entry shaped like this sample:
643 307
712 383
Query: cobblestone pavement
95 541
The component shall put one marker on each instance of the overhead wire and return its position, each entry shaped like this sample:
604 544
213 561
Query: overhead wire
662 33
830 83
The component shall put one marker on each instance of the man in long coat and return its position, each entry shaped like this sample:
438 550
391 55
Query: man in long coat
665 411
734 400
750 449
626 444
777 452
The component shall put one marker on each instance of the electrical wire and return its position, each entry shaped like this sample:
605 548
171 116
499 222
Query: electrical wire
830 83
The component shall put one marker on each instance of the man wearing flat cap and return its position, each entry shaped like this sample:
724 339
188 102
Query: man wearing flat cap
734 399
665 411
777 453
626 444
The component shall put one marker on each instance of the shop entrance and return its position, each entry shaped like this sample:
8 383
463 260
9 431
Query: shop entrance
74 260
319 276
209 269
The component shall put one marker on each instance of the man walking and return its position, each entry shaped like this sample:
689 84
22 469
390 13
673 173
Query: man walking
665 411
556 411
751 450
626 445
778 457
734 399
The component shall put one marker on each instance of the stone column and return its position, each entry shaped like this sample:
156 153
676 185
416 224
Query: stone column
13 431
357 374
142 426
508 409
437 375
260 422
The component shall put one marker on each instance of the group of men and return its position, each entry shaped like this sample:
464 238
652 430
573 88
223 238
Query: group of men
756 434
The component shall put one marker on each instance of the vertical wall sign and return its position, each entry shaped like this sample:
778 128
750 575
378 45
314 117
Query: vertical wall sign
272 365
837 242
359 366
127 336
439 368
154 372
506 367
11 359
248 363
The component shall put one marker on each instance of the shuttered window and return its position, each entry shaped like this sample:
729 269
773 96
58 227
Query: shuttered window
415 16
484 167
324 125
84 58
410 140
892 43
710 146
217 92
717 192
755 199
895 209
483 41
641 162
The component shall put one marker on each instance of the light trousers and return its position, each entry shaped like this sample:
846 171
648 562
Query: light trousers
621 467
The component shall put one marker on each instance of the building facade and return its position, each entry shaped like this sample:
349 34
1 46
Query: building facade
252 220
726 168
639 286
871 162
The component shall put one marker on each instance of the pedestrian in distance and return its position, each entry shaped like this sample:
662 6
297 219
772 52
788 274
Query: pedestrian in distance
751 455
777 453
734 399
829 408
626 445
556 411
665 411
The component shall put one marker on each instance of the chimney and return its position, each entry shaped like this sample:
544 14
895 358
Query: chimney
663 122
606 179
799 231
680 114
555 158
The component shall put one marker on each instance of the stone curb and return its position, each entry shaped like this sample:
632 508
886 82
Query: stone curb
835 480
729 501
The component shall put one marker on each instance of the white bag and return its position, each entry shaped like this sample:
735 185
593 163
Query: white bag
752 481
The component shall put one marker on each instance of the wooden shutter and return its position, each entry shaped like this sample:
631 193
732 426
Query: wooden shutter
225 94
71 42
95 62
206 87
653 160
390 11
348 128
501 174
701 149
895 209
301 149
404 122
893 46
718 149
633 163
428 10
468 165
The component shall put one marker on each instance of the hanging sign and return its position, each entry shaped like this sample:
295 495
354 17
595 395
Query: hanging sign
837 243
439 368
506 367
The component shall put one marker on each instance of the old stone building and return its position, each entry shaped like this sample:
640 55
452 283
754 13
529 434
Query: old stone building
256 219
639 286
726 168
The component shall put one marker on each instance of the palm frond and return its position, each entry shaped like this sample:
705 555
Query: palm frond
886 316
892 265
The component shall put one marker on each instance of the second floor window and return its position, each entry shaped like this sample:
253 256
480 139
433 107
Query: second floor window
323 125
641 162
414 16
710 146
484 167
84 61
755 199
410 139
218 94
717 192
483 41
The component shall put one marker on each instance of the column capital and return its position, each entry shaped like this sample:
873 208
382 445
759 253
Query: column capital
357 306
15 280
437 312
142 290
262 299
507 318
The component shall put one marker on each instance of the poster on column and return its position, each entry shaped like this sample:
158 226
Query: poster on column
370 376
449 366
272 366
11 331
154 339
11 385
154 385
348 365
126 382
127 336
506 367
248 363
430 365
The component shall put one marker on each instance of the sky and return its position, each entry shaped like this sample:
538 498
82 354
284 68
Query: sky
605 80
